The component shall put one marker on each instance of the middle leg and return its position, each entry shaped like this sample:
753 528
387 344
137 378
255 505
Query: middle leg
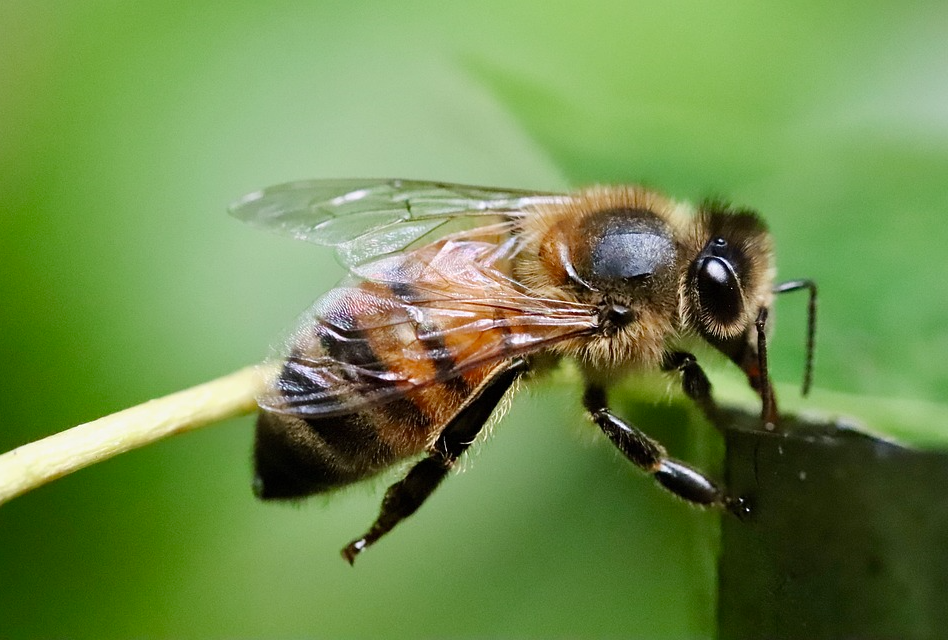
649 455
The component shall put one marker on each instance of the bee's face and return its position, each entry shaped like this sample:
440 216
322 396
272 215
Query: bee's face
711 272
730 278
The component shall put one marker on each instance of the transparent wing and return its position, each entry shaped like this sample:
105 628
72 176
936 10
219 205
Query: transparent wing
365 219
425 317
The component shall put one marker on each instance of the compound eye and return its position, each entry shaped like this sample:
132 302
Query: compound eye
719 292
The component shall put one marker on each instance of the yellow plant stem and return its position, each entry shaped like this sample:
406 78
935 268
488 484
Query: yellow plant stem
34 464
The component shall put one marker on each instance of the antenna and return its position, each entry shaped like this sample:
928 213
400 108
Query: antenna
796 285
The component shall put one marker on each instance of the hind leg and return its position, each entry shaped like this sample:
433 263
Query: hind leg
405 496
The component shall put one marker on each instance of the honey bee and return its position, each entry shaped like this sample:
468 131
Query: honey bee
456 292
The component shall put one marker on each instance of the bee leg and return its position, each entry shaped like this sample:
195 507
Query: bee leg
694 383
405 496
650 456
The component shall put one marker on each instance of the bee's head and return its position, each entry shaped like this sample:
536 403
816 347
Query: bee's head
731 277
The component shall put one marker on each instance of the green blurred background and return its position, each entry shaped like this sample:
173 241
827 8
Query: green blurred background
126 128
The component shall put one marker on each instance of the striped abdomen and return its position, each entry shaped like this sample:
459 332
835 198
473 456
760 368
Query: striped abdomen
381 366
376 372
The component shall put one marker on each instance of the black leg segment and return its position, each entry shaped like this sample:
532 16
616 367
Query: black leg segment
650 456
694 382
405 496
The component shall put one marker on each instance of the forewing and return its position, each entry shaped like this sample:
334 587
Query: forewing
368 219
423 318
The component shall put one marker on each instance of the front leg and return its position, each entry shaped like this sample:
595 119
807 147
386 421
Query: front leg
650 456
694 383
